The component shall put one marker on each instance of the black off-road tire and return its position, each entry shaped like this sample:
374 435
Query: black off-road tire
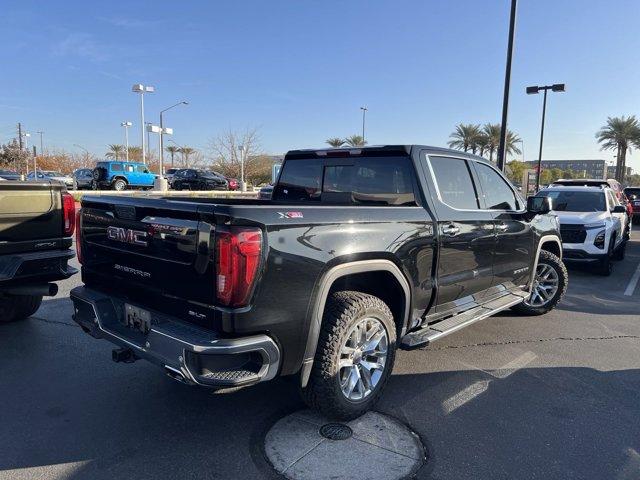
18 307
558 265
323 392
605 266
99 174
620 252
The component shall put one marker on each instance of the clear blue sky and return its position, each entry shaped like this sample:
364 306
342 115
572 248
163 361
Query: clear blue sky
301 70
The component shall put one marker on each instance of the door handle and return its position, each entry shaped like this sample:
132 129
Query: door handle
450 230
502 227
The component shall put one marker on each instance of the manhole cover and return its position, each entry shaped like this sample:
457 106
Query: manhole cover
336 431
303 446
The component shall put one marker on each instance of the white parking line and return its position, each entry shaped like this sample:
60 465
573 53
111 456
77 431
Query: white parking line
633 282
464 396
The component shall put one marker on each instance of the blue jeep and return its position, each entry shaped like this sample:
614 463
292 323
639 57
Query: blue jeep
122 175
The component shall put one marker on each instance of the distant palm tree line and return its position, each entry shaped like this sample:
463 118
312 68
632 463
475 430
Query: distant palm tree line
352 141
483 139
118 153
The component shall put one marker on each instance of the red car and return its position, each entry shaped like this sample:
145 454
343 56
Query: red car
233 183
633 194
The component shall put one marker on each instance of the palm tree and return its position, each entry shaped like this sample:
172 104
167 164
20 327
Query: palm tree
482 142
465 137
491 132
511 144
172 149
355 141
619 134
335 142
135 154
115 151
185 152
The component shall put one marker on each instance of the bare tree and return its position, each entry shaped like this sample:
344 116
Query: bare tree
226 155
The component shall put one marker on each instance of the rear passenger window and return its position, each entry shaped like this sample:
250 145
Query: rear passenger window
453 181
497 193
116 167
381 181
299 180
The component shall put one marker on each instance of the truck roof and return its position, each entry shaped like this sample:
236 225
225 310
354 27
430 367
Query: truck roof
376 151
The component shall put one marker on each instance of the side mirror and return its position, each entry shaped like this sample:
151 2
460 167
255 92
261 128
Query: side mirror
619 209
539 205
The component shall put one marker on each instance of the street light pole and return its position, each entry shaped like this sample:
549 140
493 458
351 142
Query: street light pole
364 113
162 134
243 153
556 87
126 126
507 83
41 149
142 89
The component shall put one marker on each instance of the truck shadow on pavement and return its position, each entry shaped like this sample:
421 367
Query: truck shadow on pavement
68 411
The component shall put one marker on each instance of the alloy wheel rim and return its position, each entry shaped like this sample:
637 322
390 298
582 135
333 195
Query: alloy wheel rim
545 286
362 358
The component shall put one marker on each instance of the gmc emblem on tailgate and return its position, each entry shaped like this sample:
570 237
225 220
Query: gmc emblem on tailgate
125 235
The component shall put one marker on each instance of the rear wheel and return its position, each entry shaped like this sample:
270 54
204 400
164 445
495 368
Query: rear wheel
18 307
354 357
549 286
119 185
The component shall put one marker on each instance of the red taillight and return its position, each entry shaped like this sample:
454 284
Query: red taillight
68 214
238 252
78 235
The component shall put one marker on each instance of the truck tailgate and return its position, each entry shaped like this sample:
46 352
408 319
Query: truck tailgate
30 213
138 243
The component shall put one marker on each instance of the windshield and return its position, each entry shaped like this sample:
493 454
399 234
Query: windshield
205 174
632 191
576 201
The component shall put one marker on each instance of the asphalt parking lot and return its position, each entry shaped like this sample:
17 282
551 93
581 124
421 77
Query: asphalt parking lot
553 397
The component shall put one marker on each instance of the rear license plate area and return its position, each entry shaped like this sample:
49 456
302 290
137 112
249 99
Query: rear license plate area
137 318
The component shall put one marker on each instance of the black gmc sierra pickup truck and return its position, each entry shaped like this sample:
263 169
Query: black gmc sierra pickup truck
360 251
36 231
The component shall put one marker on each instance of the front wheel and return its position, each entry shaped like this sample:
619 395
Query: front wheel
354 358
549 286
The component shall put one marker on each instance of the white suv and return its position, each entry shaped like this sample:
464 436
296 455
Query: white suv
592 224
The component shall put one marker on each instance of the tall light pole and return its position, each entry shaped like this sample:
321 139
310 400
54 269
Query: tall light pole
556 87
243 151
26 147
502 154
126 126
41 148
142 89
160 131
146 126
364 113
161 134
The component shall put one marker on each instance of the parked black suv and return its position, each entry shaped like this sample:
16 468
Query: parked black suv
359 252
192 179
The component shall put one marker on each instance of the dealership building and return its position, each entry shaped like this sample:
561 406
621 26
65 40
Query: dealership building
583 168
